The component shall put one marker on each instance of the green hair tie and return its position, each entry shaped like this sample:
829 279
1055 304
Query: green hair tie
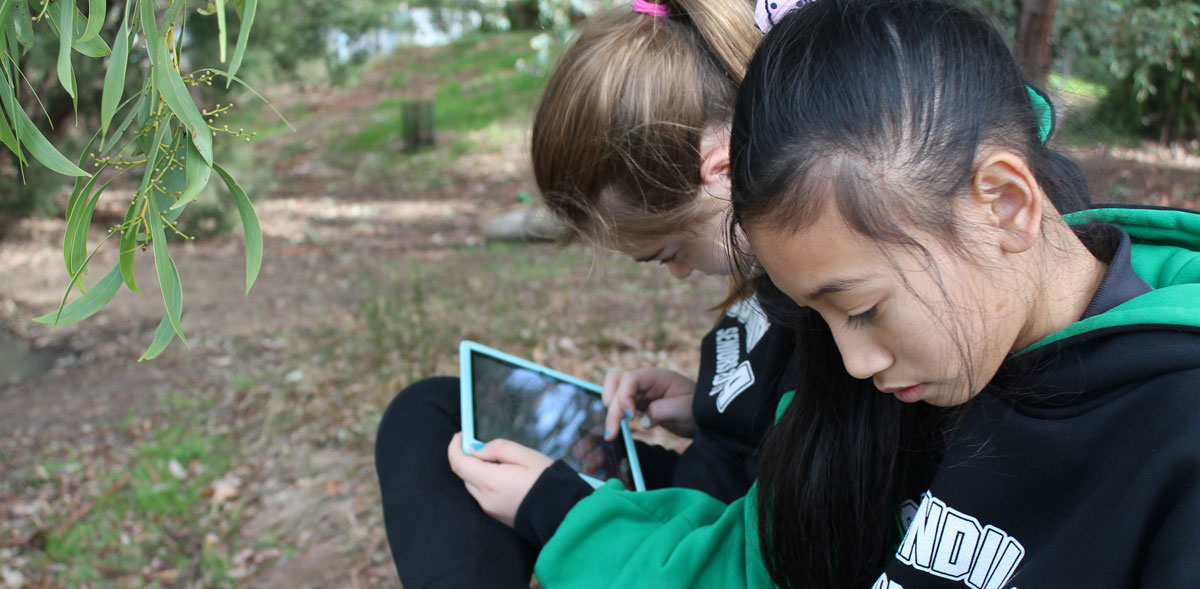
1044 110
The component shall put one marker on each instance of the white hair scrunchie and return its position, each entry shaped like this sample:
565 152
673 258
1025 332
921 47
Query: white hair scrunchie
768 12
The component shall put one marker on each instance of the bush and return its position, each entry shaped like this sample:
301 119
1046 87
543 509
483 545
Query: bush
1150 48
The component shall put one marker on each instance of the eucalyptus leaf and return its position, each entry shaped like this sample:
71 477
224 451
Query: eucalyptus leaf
39 147
23 23
143 200
78 224
7 100
114 78
149 25
248 10
7 137
97 12
162 338
129 118
6 8
129 242
94 47
73 204
66 25
175 93
250 227
174 179
87 304
172 13
79 195
198 172
168 274
221 28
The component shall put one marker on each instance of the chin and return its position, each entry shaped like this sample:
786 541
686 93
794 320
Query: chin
944 396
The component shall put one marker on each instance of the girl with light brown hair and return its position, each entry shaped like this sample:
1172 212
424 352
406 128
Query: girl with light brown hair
629 149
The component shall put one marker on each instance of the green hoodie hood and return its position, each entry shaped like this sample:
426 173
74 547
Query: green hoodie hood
1165 254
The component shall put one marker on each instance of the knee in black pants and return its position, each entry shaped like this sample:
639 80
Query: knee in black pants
438 535
432 403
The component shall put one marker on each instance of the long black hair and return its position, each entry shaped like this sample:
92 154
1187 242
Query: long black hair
878 109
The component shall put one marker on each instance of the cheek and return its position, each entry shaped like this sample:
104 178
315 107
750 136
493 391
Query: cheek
925 339
708 257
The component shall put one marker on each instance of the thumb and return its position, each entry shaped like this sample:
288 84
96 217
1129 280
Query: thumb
505 451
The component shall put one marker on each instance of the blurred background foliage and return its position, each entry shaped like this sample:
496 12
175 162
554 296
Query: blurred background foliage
1143 56
304 39
1143 53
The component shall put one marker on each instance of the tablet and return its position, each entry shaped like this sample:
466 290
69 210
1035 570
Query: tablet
507 397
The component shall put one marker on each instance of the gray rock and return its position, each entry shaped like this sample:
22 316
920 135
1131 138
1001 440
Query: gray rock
525 223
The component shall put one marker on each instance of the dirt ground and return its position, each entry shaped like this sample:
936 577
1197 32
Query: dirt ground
326 230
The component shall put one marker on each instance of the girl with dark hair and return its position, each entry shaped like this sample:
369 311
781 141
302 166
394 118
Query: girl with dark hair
1014 398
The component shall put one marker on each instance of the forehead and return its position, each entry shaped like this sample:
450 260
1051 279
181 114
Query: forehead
825 252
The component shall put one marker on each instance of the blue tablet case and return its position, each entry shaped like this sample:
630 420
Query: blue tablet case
471 443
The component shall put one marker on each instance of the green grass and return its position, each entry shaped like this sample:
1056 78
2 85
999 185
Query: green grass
145 526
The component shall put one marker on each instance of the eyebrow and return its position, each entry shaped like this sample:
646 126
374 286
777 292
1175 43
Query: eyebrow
651 257
839 285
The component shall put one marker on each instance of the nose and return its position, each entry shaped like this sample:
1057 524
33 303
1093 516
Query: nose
863 357
679 269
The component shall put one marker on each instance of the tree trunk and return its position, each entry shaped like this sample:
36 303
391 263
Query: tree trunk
1034 25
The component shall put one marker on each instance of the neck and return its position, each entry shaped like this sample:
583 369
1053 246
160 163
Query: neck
1066 276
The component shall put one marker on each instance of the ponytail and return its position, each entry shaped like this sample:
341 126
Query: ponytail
616 137
727 30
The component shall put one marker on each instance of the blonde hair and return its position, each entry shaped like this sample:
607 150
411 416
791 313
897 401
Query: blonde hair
616 137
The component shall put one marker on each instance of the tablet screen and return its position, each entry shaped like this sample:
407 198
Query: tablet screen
559 419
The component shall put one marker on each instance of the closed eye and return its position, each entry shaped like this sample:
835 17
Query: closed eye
862 318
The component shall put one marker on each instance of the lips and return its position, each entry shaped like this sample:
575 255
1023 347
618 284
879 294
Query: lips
909 394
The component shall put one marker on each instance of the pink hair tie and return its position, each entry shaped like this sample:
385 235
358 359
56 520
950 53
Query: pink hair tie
655 10
768 12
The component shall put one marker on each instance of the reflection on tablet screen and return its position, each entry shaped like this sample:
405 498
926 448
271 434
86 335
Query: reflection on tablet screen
561 420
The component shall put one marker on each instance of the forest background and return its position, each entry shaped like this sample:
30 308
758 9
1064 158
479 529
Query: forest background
243 458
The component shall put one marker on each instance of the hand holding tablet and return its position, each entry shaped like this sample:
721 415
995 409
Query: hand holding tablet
499 475
506 397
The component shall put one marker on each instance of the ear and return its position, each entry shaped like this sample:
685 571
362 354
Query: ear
1012 201
714 163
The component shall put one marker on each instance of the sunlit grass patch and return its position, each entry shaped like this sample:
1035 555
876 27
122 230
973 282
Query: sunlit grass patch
498 150
1078 87
1079 103
473 83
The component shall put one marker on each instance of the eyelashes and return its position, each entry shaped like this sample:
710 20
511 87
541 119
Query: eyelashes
862 318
